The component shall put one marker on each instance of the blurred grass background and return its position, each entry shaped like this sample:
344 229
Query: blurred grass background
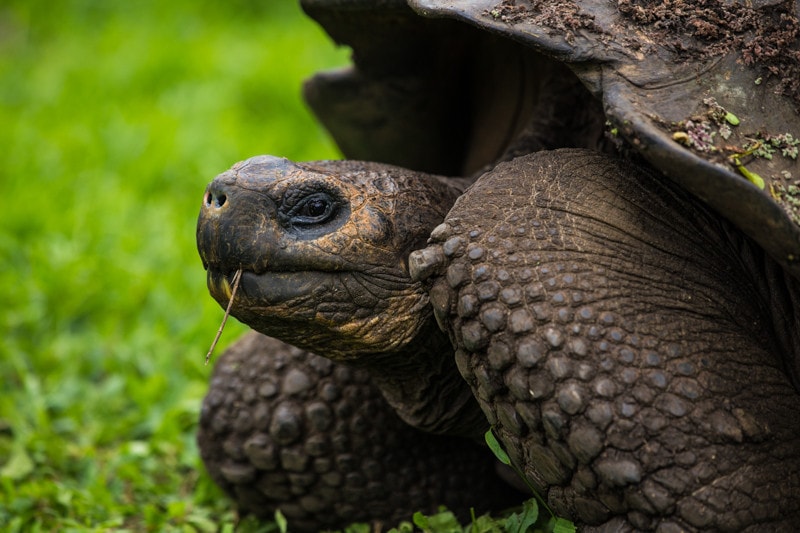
113 117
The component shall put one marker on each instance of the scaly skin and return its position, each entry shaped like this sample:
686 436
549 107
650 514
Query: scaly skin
333 451
338 283
635 352
630 347
281 428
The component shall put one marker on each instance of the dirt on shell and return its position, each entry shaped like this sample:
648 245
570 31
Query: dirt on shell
564 17
765 32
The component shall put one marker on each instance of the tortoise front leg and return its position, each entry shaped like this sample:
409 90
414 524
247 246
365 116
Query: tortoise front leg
281 428
620 339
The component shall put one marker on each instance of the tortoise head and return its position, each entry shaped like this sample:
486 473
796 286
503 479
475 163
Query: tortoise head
323 250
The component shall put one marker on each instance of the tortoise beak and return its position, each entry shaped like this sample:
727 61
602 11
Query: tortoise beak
236 227
219 285
215 223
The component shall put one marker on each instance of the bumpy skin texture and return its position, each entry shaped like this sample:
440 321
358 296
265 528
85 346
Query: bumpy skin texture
283 428
323 247
629 347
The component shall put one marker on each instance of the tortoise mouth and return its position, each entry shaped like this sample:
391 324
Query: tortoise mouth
263 289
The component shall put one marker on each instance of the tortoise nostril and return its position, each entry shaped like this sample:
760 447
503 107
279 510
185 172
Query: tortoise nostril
215 199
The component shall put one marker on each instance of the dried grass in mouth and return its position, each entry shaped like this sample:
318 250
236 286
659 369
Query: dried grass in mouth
236 277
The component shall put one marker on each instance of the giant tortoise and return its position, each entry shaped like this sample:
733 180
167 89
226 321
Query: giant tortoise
616 293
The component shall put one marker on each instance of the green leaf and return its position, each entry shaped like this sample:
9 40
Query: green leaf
485 524
562 525
732 119
403 527
18 466
754 178
283 524
421 521
525 519
202 523
496 447
442 522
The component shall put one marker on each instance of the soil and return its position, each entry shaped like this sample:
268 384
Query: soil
564 17
767 33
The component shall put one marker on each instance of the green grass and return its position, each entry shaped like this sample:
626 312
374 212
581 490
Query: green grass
113 117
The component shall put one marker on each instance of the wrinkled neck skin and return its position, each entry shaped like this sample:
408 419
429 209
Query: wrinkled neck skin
780 299
421 382
787 322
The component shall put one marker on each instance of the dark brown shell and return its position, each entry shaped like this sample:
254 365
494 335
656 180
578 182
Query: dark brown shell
667 74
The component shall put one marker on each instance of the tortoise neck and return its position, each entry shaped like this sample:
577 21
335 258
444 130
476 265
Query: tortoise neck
781 300
775 301
423 385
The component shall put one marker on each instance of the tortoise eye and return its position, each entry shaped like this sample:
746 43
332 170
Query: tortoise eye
315 209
